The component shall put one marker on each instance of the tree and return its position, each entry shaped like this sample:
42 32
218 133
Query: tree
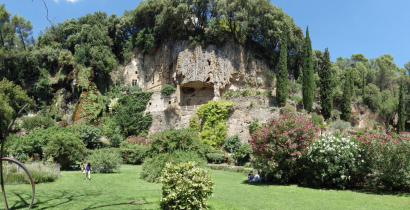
65 147
400 109
23 29
12 99
371 96
308 74
326 89
282 79
346 109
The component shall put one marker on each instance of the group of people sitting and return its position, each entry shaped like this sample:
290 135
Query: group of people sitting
256 178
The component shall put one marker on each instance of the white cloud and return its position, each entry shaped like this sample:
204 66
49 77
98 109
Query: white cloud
73 0
56 1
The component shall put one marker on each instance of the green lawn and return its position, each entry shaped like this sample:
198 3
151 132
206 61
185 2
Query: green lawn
127 191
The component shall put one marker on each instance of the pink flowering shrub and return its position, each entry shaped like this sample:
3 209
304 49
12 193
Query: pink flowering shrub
132 140
388 159
280 143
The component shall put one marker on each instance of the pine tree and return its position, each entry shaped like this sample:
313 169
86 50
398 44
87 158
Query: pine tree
346 109
401 120
282 78
326 91
308 77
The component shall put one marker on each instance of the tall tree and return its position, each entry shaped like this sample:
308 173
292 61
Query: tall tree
23 29
282 79
326 87
346 109
401 120
308 74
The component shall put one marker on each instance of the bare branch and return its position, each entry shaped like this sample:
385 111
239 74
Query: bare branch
45 5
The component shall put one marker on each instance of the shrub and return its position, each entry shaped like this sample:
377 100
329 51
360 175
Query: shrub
232 142
26 146
267 93
280 143
168 89
40 171
37 121
152 167
340 124
173 139
246 93
288 109
135 149
105 161
335 114
193 123
254 126
216 157
214 115
116 140
317 119
296 99
387 158
90 135
65 147
333 162
185 186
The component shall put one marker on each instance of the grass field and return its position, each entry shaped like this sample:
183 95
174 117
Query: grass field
127 191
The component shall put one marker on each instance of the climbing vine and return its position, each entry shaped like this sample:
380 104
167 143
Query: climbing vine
214 115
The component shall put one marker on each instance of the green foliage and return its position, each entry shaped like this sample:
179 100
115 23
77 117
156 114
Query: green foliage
340 125
282 78
401 110
346 103
152 167
193 123
216 157
308 74
269 80
90 135
145 40
12 99
130 114
254 126
334 162
213 116
296 99
173 139
372 97
168 89
244 150
105 161
294 88
326 99
335 114
317 119
267 93
116 140
65 147
185 186
37 121
232 142
24 147
93 106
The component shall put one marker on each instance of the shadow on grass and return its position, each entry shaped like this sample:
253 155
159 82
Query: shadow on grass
65 198
357 189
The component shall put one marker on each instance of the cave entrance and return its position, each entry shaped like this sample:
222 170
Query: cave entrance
196 94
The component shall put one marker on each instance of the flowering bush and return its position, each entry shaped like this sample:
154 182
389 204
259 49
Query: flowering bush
333 162
132 140
388 158
280 143
185 186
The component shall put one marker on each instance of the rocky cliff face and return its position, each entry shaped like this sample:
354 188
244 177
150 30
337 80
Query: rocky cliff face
199 75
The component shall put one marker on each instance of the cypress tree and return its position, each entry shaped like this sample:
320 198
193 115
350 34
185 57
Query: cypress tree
308 77
326 91
401 120
346 109
282 78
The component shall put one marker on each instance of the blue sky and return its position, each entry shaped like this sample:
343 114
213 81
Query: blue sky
370 27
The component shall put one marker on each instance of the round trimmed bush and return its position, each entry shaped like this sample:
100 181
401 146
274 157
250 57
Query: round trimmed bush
185 186
105 161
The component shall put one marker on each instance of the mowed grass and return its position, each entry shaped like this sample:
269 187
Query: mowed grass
127 191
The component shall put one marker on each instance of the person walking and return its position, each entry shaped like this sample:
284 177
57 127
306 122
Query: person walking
88 170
